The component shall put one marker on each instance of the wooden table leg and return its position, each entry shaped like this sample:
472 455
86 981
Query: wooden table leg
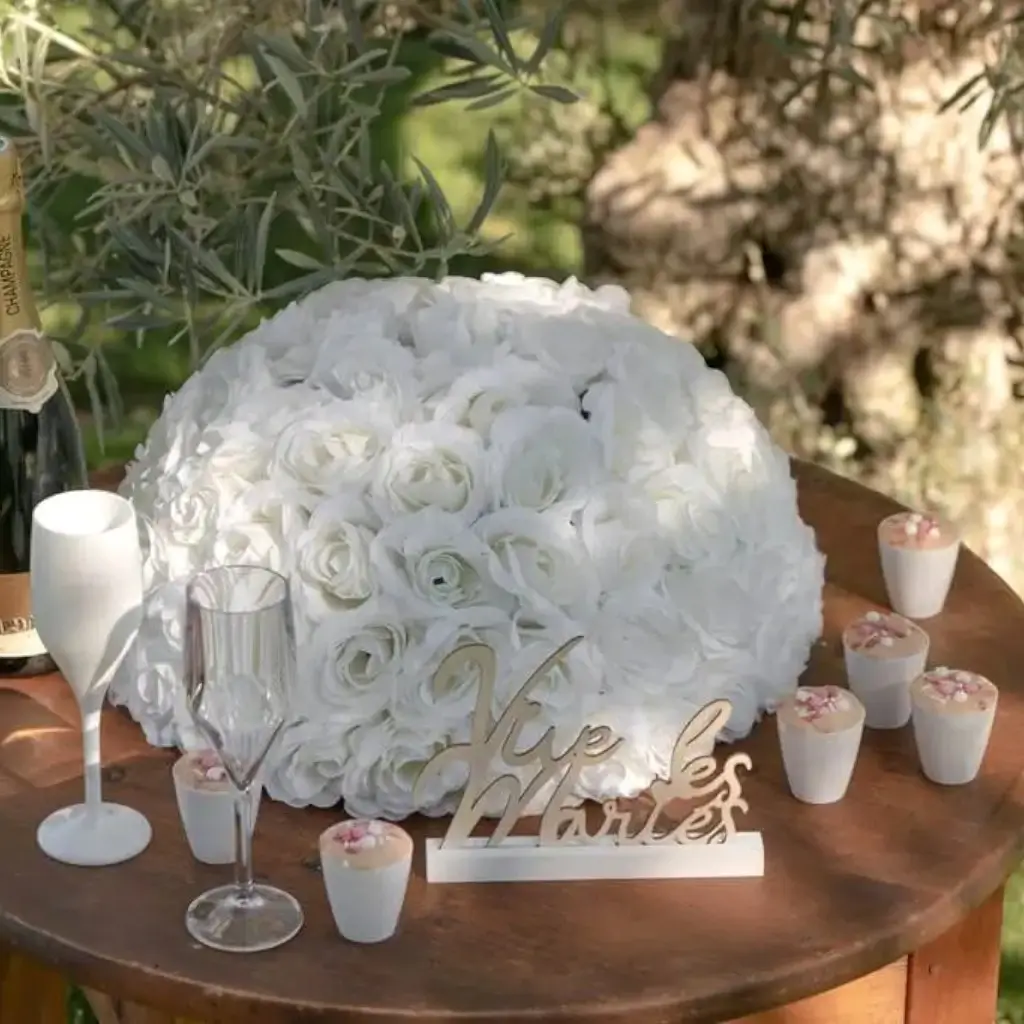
109 1010
955 979
876 998
30 993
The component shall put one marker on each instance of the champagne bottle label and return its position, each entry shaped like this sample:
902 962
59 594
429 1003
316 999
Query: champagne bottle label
18 637
28 370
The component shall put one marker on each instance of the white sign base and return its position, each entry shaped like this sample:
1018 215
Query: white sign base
522 859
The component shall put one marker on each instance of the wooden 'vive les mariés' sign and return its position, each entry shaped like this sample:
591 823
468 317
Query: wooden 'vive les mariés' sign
687 828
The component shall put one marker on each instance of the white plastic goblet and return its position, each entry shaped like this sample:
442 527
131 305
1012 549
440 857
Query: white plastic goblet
86 578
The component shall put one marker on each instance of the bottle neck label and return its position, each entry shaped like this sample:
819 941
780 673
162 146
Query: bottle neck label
28 371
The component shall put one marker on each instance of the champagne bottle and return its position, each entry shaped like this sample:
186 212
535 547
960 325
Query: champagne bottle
40 443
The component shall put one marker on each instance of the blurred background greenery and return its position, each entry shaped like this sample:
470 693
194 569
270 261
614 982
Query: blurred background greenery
825 197
550 154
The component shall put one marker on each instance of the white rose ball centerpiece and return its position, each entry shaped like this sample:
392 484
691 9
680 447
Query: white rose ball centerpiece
505 461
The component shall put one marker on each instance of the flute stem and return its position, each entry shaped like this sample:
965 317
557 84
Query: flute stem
243 843
91 716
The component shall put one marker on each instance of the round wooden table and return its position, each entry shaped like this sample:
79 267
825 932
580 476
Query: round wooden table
898 885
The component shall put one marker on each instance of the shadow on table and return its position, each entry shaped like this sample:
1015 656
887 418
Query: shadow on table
37 746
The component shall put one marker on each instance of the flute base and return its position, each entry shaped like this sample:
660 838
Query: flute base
94 837
225 919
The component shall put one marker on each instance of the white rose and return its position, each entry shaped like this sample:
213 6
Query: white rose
693 516
646 644
510 289
193 515
368 303
250 544
634 444
543 457
310 759
758 495
361 362
520 292
237 455
611 298
256 529
726 424
168 552
619 529
538 558
576 345
477 396
173 438
750 475
743 690
431 706
460 331
162 559
663 367
269 413
332 560
149 680
230 377
328 320
647 755
717 605
385 765
564 687
751 616
654 370
430 465
430 564
146 689
728 427
331 445
274 338
143 481
165 610
355 660
159 489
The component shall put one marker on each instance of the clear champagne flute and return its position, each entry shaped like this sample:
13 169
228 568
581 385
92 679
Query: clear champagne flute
86 579
239 668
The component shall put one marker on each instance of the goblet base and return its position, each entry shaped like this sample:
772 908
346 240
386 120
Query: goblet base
226 919
92 837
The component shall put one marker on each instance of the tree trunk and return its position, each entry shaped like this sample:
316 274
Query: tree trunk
845 253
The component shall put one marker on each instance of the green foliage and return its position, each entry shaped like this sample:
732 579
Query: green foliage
554 149
232 156
1011 980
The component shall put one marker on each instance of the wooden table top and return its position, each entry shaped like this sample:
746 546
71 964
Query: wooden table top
848 888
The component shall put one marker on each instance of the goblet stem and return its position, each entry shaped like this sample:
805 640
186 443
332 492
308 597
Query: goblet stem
243 843
92 711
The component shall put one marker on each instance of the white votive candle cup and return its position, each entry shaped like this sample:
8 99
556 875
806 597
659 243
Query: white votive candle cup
918 565
366 866
884 654
820 729
953 715
206 804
